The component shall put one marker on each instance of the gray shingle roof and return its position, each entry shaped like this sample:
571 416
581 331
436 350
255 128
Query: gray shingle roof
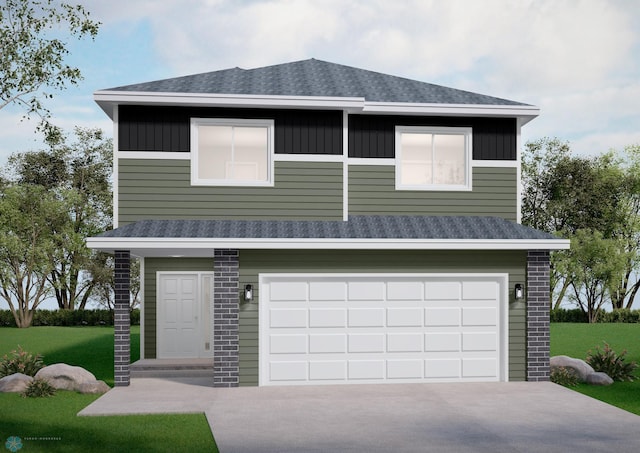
358 227
316 78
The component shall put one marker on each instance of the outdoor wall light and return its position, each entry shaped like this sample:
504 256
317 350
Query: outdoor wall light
518 291
248 293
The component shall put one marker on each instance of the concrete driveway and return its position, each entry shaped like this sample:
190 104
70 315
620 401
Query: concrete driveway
483 417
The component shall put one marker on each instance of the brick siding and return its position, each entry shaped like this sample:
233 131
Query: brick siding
538 304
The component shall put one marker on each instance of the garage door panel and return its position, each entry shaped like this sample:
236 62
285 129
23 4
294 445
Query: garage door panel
366 369
479 290
442 342
442 368
366 290
288 291
404 342
327 291
442 317
481 316
328 344
480 368
288 344
404 317
288 371
443 290
405 369
287 317
366 317
479 341
405 290
383 328
327 317
327 370
363 342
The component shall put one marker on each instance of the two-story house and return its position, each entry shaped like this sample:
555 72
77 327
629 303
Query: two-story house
314 223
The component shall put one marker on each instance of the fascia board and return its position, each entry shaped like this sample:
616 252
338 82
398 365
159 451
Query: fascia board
109 244
525 112
106 99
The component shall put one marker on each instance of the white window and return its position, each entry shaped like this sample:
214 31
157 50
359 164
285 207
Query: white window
429 158
231 152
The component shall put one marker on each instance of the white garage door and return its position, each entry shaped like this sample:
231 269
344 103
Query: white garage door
338 328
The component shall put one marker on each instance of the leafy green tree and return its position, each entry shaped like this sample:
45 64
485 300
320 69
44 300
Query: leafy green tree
625 289
33 52
27 214
104 292
593 264
564 194
77 171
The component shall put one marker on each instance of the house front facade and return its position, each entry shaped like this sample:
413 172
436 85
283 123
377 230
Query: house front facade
314 223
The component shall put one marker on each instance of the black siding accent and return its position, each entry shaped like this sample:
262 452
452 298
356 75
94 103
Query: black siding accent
150 128
374 136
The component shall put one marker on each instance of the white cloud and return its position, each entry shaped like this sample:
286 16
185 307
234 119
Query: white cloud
576 59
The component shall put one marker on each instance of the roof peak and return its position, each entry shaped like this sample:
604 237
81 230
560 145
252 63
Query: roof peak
316 78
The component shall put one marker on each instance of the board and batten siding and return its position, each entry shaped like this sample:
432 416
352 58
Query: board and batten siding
161 189
372 192
151 267
167 129
373 136
254 262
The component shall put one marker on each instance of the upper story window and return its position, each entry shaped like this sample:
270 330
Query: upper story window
231 152
433 158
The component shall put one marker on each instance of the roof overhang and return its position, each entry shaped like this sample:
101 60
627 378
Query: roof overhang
203 247
109 99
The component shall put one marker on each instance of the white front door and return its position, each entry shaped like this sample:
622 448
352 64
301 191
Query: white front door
183 304
346 329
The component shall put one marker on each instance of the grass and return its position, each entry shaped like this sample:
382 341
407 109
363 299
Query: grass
575 340
88 347
51 424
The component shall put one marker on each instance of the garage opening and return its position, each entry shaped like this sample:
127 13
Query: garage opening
376 328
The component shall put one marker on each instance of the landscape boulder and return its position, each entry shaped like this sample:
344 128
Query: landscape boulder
17 382
599 378
581 368
94 387
67 377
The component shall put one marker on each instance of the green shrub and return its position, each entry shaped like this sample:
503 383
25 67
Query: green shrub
69 318
38 388
612 364
620 315
564 315
20 361
564 376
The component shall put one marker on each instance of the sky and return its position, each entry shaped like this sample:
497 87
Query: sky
577 60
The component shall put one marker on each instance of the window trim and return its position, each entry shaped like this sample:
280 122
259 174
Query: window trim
467 132
240 122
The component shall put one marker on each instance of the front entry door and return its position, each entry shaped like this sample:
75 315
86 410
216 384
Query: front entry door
183 315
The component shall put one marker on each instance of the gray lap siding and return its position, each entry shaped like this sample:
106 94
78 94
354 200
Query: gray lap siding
161 189
372 191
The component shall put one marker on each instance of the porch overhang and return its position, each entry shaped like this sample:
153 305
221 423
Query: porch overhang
198 238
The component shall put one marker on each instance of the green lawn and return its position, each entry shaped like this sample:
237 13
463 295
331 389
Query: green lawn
575 340
51 424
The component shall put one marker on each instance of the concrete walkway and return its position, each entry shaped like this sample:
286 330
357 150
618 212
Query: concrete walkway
484 417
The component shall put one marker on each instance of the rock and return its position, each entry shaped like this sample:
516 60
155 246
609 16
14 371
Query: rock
17 382
581 368
599 378
65 377
94 387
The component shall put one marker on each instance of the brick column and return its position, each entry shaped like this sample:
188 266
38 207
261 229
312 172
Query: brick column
122 323
226 309
538 304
